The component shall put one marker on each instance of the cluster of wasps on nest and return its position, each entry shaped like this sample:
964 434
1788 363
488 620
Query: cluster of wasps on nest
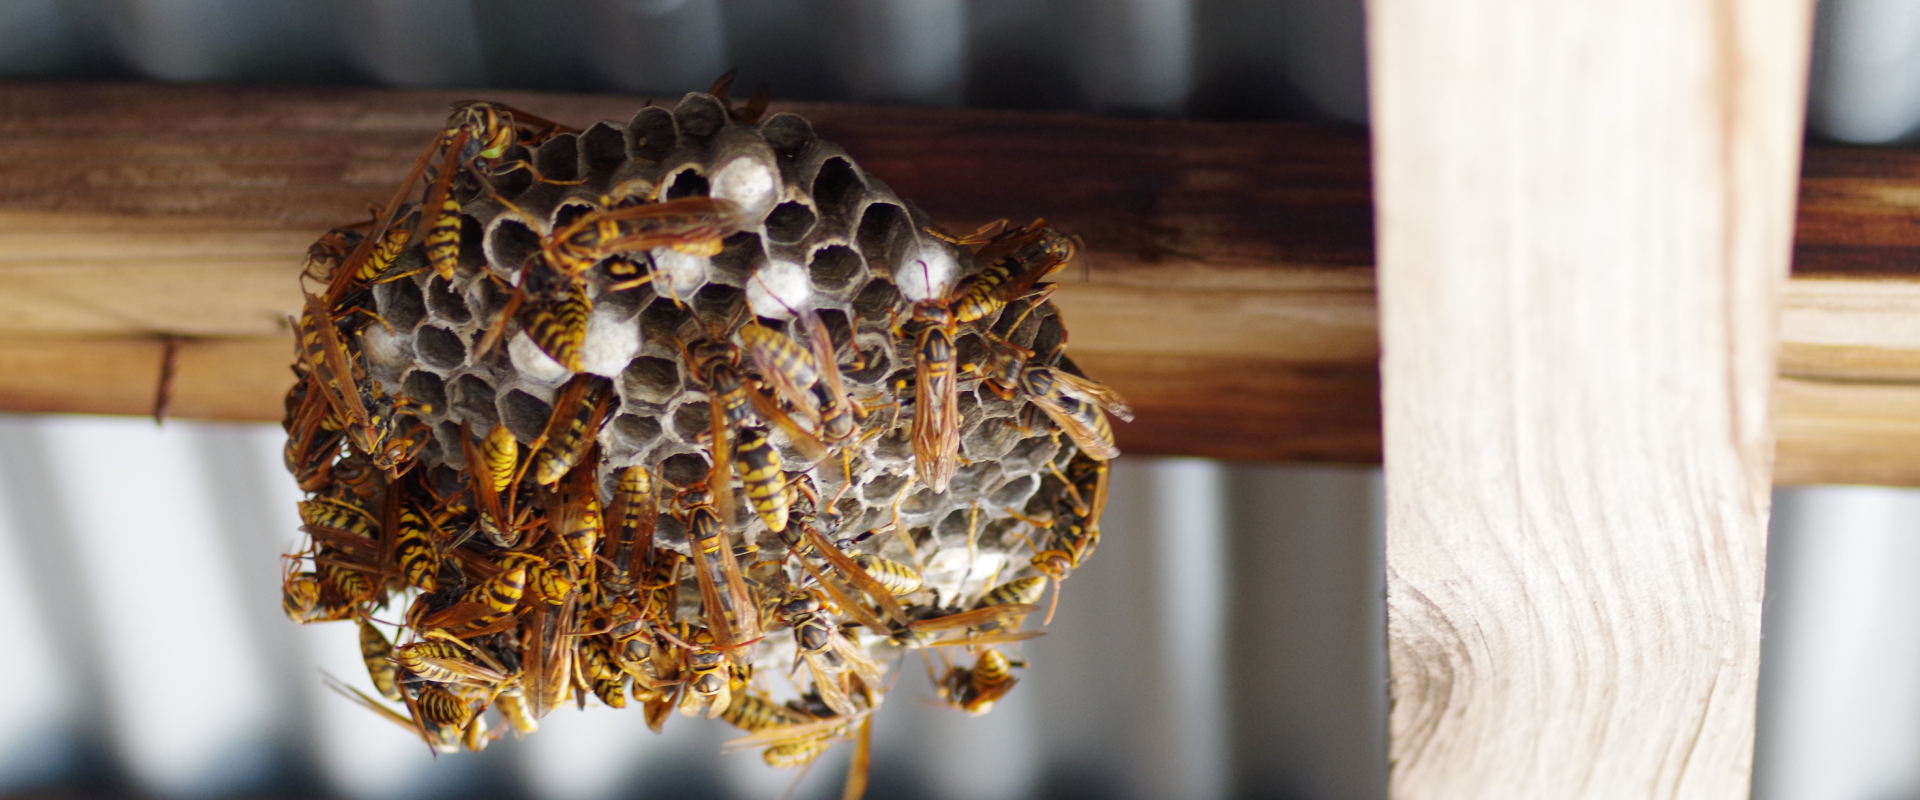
687 414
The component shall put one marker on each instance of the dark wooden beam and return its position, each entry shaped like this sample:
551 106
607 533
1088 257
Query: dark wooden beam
1228 288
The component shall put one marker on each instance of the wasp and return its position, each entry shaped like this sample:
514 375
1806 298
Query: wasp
761 478
492 469
442 243
632 645
792 739
328 253
555 314
398 434
311 446
715 365
602 675
300 596
1019 590
548 651
305 599
936 410
627 629
440 708
500 454
1013 263
802 739
576 519
1074 403
755 107
578 409
552 294
347 582
355 475
414 549
554 581
339 515
976 690
862 582
378 653
335 372
810 380
1077 404
986 625
724 599
899 578
386 251
709 682
441 739
694 225
752 712
1076 524
476 132
486 606
441 658
512 705
827 652
631 519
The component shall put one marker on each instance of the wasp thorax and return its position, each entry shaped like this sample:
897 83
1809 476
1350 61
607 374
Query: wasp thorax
637 410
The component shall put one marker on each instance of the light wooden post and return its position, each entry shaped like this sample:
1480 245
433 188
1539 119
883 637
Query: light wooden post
1585 210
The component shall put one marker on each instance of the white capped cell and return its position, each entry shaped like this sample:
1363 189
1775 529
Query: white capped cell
925 271
678 275
611 343
778 289
751 182
388 352
532 362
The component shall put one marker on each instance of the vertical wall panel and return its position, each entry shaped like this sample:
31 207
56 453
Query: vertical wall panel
1866 70
1307 632
37 697
1133 55
897 51
182 666
1840 676
660 46
413 43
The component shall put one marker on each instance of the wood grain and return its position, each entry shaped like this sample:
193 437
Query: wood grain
1229 276
1586 213
1230 281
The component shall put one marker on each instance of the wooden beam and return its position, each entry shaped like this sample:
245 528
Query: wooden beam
133 211
1229 291
1586 217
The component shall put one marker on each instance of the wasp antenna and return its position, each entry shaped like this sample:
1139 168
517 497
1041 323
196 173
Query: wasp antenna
723 84
1055 604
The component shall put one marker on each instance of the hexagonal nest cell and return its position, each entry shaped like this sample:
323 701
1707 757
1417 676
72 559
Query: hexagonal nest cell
626 413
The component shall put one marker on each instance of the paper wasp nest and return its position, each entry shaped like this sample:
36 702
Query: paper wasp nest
509 413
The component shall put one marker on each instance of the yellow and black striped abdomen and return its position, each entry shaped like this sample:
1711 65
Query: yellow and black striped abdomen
555 316
385 252
502 592
443 239
413 548
766 486
378 653
1018 590
501 453
899 578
